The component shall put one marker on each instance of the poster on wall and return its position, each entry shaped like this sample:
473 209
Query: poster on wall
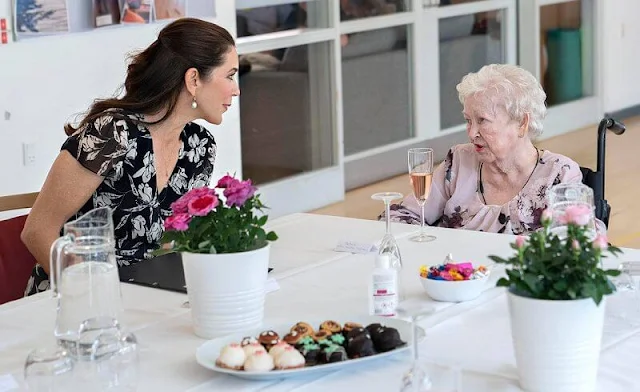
137 11
106 12
169 9
40 17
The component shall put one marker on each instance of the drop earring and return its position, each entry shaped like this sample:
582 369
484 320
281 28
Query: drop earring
194 104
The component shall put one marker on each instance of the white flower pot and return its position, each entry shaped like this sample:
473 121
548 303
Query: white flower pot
226 291
557 343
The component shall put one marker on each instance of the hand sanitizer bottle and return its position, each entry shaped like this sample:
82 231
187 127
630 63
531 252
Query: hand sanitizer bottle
383 288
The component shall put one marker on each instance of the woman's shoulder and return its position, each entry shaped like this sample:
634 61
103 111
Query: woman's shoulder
557 162
202 133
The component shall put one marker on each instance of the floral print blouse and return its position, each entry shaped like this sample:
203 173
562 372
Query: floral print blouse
120 149
455 200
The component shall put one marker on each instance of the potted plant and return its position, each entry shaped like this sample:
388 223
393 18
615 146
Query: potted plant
557 292
225 253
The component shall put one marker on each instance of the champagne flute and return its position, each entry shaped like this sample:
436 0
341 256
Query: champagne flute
416 378
421 171
388 245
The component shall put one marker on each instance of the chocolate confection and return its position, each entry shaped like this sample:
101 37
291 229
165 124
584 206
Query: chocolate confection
334 353
293 338
322 337
386 339
303 328
309 350
247 340
339 339
361 346
331 326
268 339
348 326
355 332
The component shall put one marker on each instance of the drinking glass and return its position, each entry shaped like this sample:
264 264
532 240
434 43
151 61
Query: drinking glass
416 378
388 245
562 196
49 369
625 302
421 171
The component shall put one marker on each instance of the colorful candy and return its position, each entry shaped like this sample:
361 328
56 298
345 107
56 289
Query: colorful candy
453 272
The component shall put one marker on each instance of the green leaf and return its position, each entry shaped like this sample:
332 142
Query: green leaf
503 282
272 236
499 260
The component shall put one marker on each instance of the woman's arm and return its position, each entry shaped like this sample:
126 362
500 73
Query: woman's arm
67 188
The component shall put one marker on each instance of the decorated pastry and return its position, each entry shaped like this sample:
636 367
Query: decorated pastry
334 353
386 339
371 328
331 326
268 339
360 346
348 326
278 348
293 338
309 350
338 338
355 332
232 356
322 337
259 362
247 340
303 328
289 358
253 348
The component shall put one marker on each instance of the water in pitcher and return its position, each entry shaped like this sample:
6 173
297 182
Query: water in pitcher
90 288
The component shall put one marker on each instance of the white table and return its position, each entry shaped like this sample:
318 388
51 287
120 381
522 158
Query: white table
317 282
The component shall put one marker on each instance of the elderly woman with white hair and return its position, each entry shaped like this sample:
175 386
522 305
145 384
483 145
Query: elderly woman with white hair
499 181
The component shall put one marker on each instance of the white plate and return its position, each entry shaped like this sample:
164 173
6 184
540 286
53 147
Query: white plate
208 352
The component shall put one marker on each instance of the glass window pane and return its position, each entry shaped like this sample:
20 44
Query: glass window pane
563 73
286 112
375 85
282 17
467 43
357 9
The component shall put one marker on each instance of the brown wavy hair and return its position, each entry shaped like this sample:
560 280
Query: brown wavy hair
155 76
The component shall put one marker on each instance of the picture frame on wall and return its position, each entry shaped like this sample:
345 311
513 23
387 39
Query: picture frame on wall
106 12
40 17
169 9
137 11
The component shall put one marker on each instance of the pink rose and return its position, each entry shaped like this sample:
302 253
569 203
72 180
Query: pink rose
601 242
226 181
520 240
579 215
180 206
199 192
239 192
546 216
178 222
202 205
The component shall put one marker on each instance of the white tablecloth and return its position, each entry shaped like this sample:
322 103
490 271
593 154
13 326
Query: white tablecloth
317 282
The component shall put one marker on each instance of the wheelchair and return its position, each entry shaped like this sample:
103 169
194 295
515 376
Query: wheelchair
595 179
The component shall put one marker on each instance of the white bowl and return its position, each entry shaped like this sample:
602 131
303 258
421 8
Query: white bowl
454 290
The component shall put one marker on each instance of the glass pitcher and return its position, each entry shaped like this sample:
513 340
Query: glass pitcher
84 275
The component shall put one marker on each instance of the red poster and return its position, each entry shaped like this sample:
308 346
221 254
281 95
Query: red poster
3 24
3 37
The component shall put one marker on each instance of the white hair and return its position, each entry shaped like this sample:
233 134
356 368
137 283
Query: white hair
512 87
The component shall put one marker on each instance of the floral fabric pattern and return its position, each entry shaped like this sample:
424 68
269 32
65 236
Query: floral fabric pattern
455 202
120 149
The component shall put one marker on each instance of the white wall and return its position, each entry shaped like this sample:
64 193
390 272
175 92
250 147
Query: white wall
46 81
620 54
